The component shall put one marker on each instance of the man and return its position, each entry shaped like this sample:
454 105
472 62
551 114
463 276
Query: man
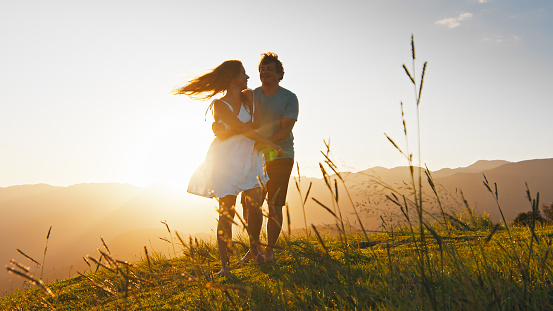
279 112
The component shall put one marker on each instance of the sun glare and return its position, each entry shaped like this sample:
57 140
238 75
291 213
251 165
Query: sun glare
169 150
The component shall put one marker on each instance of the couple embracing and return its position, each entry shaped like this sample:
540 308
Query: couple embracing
252 153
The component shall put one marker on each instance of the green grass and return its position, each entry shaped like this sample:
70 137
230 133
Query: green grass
466 273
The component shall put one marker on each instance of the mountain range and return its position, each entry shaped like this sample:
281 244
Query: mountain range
128 218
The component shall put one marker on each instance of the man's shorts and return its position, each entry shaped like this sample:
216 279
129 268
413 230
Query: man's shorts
279 171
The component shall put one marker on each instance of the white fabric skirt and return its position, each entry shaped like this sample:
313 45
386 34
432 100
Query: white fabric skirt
230 167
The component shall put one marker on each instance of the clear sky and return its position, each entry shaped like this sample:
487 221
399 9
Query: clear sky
84 85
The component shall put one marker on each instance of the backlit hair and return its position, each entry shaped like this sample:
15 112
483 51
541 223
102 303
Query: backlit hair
270 57
212 83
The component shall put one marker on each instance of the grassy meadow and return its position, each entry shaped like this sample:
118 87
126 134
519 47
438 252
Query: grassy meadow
448 260
468 268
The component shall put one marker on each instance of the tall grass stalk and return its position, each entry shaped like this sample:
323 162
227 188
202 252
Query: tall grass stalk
303 200
45 250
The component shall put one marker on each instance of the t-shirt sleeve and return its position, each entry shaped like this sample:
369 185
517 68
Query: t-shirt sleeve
292 107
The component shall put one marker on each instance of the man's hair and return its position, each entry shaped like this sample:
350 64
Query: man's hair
270 57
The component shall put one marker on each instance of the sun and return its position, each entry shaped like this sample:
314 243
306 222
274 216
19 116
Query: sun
169 149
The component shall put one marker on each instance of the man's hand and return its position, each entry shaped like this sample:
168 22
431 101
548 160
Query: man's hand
220 131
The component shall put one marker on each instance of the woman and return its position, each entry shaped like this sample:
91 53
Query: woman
232 165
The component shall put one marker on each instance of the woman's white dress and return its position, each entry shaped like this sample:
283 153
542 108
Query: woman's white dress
230 166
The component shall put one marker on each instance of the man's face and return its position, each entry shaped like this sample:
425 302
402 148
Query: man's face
268 74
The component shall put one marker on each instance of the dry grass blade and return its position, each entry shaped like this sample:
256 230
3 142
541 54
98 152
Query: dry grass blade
488 239
48 234
105 245
46 304
307 194
148 258
403 120
20 266
430 180
325 207
336 190
99 264
422 82
394 143
28 257
98 285
288 219
413 46
487 184
327 145
408 73
32 279
320 239
164 239
332 166
166 226
528 195
180 239
393 200
45 251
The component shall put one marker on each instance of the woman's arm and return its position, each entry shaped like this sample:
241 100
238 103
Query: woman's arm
223 112
255 123
219 129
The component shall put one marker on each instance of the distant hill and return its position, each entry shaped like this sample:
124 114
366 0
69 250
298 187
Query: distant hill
128 217
81 214
477 167
366 189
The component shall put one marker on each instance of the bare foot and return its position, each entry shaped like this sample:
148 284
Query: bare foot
249 256
246 258
269 255
259 260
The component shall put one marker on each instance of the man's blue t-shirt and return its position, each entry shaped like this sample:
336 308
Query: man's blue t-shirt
284 104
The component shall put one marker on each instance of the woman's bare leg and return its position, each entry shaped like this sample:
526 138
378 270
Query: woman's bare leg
224 230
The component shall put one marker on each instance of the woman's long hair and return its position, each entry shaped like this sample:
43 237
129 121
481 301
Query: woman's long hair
212 83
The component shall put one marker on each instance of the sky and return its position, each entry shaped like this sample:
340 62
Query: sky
85 85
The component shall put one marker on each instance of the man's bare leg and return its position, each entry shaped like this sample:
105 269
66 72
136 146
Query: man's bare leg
252 208
274 226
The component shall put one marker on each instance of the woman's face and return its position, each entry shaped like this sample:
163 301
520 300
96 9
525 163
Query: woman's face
241 81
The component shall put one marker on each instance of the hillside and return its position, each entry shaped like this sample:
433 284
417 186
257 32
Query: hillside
81 214
128 217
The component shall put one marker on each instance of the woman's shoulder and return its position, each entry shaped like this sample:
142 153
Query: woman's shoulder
219 102
248 93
